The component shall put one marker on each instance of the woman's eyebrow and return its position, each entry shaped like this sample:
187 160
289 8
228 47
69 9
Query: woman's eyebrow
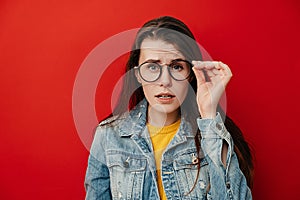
152 61
158 61
177 59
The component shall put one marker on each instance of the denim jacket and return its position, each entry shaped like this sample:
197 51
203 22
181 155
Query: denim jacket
121 164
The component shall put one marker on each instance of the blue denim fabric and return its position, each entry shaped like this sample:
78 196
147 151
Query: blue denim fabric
121 164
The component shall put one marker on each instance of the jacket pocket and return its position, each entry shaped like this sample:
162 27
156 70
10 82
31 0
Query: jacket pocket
186 169
127 173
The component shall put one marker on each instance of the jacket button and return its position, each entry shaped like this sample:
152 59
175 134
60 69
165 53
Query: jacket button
228 185
126 164
219 126
195 161
202 184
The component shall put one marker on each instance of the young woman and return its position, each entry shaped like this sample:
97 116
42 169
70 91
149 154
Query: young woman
172 143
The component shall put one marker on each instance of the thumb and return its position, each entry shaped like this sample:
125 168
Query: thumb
199 76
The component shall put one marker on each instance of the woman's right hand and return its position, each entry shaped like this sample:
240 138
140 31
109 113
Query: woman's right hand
209 92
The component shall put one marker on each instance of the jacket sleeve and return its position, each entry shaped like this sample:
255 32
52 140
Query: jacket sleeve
226 182
97 180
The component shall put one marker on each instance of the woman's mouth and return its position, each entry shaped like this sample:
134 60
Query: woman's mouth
165 98
165 95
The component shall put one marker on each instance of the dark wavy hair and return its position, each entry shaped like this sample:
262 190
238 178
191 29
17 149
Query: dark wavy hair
175 32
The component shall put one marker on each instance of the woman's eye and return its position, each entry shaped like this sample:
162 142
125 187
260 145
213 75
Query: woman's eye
152 67
177 67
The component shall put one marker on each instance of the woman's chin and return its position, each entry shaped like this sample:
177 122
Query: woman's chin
164 108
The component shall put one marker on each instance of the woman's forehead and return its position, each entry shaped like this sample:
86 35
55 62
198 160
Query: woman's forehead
157 49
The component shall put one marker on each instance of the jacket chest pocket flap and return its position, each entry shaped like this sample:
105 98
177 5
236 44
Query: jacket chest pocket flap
188 161
126 162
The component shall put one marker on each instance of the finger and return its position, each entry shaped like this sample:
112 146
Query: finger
218 68
225 68
208 65
198 64
210 73
216 71
199 76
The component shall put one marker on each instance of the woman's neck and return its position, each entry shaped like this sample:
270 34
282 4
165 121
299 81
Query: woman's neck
160 119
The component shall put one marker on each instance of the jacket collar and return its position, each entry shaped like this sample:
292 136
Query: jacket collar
134 123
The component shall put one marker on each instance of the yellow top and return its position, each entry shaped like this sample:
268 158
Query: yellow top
161 137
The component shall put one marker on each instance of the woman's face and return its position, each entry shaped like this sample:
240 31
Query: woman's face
165 94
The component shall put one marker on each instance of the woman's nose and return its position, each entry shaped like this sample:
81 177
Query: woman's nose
165 78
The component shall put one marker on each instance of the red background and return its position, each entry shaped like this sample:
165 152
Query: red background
43 43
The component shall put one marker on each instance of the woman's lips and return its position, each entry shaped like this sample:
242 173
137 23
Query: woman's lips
165 97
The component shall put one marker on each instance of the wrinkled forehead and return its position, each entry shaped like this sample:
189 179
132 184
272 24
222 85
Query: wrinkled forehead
159 50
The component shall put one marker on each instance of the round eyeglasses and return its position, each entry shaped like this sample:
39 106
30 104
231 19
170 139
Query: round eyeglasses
178 69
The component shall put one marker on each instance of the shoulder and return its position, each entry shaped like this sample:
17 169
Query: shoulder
106 133
125 123
112 120
109 126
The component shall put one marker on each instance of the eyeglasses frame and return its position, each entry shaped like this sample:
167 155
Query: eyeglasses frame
168 67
